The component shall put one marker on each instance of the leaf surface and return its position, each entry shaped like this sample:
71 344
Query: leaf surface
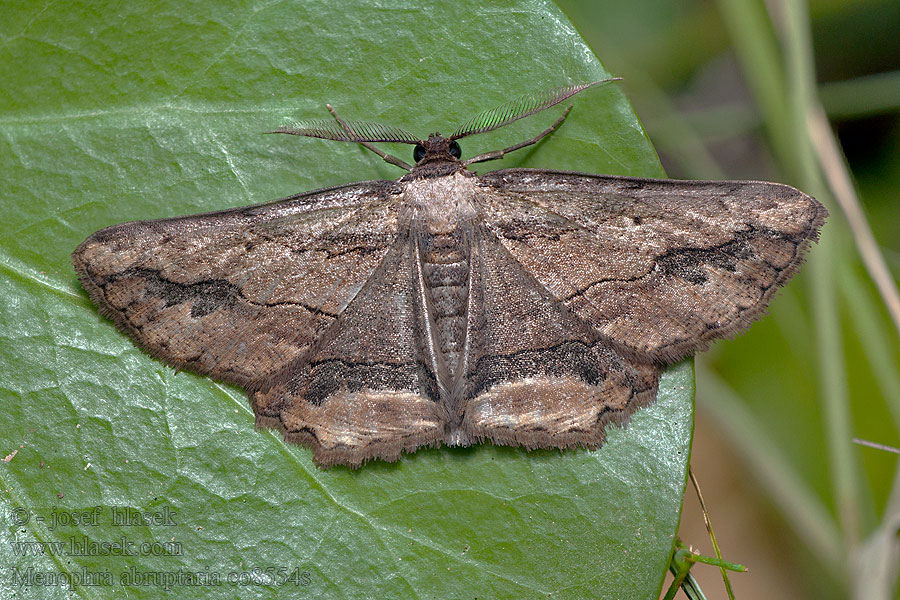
136 113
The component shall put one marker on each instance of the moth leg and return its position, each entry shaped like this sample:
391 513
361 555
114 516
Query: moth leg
388 158
501 153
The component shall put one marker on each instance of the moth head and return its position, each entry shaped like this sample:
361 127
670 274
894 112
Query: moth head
436 147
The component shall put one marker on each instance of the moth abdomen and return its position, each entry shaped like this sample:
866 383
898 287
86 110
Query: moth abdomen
445 274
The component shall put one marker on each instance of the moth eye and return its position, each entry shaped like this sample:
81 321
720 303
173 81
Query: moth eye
455 150
419 152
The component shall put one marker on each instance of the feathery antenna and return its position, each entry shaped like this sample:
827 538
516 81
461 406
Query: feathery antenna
521 107
355 131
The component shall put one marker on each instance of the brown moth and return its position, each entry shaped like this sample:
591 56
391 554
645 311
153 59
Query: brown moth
527 307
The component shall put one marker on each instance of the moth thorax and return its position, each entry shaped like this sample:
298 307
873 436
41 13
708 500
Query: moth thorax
445 268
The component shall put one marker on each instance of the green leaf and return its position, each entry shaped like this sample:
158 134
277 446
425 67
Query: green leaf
132 112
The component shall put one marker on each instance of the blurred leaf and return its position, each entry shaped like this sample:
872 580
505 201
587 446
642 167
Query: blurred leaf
739 95
127 112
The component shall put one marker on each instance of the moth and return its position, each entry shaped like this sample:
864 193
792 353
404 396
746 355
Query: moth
527 307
